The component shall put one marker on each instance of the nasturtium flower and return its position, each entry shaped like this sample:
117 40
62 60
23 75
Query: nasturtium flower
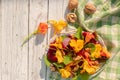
105 53
77 45
59 56
65 73
88 36
58 43
58 25
100 51
42 28
96 53
89 68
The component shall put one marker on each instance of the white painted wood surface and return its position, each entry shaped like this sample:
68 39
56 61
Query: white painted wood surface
18 18
14 27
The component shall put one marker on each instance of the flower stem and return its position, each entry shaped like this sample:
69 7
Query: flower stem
28 37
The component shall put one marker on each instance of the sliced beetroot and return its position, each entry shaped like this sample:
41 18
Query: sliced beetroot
69 47
80 63
80 53
65 42
52 58
94 41
84 54
84 33
51 54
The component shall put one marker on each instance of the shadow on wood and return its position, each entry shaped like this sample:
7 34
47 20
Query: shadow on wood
43 69
39 39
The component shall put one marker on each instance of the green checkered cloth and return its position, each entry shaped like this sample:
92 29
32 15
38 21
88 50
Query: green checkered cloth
106 21
109 30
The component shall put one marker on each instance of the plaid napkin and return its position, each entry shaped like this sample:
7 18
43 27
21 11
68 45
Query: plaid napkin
109 29
106 21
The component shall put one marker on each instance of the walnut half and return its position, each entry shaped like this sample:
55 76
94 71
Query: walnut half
89 8
72 4
71 17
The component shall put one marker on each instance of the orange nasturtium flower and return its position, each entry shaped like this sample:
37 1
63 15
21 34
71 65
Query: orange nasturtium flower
89 36
65 73
77 45
42 29
58 25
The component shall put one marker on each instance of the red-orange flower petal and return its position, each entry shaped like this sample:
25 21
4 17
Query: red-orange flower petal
88 36
42 28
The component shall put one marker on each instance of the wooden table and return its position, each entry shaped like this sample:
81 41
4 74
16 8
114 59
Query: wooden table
18 18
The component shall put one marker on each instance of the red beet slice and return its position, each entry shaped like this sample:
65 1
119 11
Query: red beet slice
51 54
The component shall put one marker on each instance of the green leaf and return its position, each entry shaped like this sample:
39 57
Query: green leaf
91 46
76 24
59 65
78 34
47 62
67 59
84 76
75 78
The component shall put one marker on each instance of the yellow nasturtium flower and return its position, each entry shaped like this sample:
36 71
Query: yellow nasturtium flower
65 73
59 56
58 43
96 53
106 52
77 45
58 25
89 68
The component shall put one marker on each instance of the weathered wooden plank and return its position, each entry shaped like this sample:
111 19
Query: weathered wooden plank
0 40
38 13
14 29
57 11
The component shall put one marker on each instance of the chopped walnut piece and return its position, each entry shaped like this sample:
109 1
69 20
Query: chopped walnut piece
52 67
76 68
77 58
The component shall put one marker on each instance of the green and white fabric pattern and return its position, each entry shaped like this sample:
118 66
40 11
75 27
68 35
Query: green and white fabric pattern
110 31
